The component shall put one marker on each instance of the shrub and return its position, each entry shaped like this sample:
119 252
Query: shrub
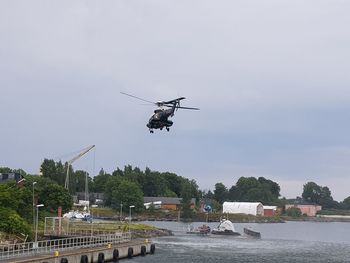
293 212
12 223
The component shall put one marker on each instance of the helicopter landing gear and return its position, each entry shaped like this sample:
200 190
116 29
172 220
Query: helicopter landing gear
167 128
151 131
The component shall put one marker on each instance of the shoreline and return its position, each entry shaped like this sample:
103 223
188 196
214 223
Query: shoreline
248 219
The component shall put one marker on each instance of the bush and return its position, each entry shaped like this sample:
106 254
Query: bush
12 223
293 212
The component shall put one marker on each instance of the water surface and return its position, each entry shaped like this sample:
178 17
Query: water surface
285 242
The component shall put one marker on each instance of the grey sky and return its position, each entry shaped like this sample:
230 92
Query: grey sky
271 79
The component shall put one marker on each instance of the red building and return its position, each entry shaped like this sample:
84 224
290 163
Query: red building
270 210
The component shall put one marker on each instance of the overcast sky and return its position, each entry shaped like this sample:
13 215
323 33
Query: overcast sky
271 79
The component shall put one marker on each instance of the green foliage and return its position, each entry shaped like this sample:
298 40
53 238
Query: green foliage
319 195
169 193
111 186
16 198
186 195
54 171
11 222
270 186
154 184
54 196
128 193
250 189
293 212
220 193
99 182
174 182
346 203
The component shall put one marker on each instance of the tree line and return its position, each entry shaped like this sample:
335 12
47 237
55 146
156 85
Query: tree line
125 186
128 186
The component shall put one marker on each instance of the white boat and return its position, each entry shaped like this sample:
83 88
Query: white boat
225 227
76 215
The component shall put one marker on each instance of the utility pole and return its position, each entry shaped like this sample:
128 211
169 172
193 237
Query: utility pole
34 183
121 211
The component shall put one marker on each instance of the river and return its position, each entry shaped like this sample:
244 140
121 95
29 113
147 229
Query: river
283 242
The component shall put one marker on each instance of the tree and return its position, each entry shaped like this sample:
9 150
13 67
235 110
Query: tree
186 194
174 182
11 222
319 195
233 194
312 192
79 178
154 184
54 171
293 212
100 181
128 193
169 193
220 193
244 184
261 194
346 203
111 186
16 198
53 196
271 186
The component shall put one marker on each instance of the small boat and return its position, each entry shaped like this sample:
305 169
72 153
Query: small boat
201 230
225 228
252 233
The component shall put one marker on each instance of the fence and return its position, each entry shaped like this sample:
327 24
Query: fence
62 227
9 251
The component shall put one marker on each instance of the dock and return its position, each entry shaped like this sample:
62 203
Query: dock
96 249
98 255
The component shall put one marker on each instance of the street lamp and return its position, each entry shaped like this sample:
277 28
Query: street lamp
121 212
36 225
34 183
132 206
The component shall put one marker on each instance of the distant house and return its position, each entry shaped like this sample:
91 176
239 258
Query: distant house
243 208
94 198
270 210
306 208
5 177
170 203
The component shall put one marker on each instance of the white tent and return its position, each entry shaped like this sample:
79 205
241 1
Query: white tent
243 208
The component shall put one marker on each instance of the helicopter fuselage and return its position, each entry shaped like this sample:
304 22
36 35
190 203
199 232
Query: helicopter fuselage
159 119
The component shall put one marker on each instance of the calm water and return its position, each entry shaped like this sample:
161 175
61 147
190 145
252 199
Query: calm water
288 242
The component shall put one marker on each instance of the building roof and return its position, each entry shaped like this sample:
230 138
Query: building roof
5 177
270 207
166 200
242 207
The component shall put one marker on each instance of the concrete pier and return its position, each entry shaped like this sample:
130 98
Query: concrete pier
110 253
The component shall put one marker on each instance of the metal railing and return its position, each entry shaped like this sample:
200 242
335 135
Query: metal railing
8 251
62 227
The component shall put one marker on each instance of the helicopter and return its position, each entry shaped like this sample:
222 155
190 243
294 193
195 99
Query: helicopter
160 117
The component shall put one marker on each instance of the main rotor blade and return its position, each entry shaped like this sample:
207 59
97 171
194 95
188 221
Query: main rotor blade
187 108
180 107
173 101
137 98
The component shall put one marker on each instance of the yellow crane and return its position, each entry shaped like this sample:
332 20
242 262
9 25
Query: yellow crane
83 152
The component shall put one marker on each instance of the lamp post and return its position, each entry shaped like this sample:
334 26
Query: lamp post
132 206
121 212
34 183
36 225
